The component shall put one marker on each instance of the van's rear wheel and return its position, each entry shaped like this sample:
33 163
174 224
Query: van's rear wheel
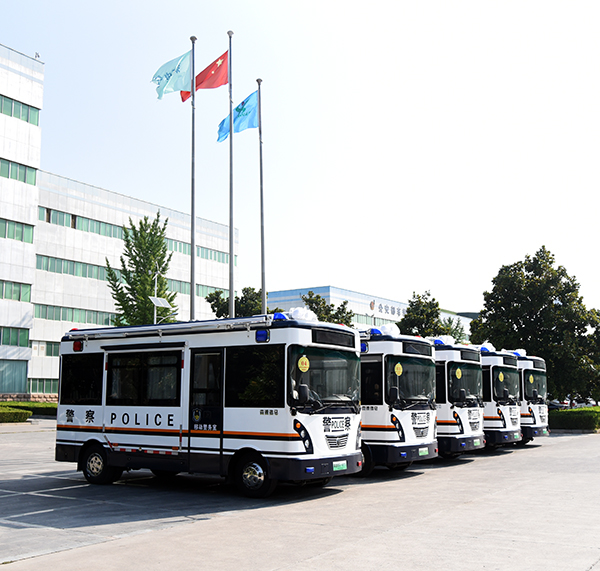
252 477
95 466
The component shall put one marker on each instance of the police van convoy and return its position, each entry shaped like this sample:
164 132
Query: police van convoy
278 398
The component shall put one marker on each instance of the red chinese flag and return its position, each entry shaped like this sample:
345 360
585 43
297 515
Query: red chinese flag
213 76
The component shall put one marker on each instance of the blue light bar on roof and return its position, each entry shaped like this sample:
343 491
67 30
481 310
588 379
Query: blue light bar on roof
279 317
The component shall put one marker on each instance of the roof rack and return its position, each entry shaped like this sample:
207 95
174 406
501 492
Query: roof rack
190 326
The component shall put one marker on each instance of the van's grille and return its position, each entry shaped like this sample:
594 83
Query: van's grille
421 432
337 441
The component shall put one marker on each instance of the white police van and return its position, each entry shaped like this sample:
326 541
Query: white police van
257 400
502 413
397 400
459 397
533 394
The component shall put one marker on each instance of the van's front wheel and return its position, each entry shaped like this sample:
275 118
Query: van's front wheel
252 477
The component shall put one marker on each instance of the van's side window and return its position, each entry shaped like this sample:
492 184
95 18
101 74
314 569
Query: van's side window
144 379
255 376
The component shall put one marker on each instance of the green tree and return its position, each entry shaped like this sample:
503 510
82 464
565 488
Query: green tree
454 328
248 305
422 317
536 306
145 255
327 311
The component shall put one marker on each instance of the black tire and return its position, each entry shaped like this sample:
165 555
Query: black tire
320 483
449 455
523 442
399 466
251 476
95 466
367 461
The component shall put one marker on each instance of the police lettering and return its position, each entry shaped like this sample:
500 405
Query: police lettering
141 419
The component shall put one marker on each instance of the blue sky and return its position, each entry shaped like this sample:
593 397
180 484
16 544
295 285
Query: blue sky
408 146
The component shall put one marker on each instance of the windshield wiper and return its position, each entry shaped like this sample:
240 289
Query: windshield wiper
407 404
334 401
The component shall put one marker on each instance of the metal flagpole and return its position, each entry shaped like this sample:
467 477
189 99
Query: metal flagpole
262 209
193 215
231 230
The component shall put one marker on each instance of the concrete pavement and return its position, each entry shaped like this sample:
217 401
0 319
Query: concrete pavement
533 508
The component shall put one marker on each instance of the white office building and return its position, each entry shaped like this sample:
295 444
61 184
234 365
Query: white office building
369 310
55 234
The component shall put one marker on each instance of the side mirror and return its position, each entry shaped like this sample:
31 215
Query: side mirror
462 395
535 394
505 393
394 395
303 394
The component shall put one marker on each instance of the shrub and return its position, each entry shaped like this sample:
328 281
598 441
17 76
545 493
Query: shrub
8 414
575 418
37 408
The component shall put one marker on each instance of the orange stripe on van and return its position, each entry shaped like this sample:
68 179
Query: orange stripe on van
77 427
274 434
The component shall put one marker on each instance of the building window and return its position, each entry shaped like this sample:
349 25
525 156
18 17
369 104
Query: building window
16 231
44 348
19 110
16 171
203 291
73 315
15 291
15 336
79 223
79 269
42 386
178 286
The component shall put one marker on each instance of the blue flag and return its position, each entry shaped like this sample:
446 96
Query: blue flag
175 75
245 116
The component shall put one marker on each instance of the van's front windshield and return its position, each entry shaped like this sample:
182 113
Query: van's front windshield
414 377
332 376
464 376
505 382
534 380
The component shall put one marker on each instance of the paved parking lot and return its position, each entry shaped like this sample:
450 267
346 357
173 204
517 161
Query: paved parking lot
524 509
